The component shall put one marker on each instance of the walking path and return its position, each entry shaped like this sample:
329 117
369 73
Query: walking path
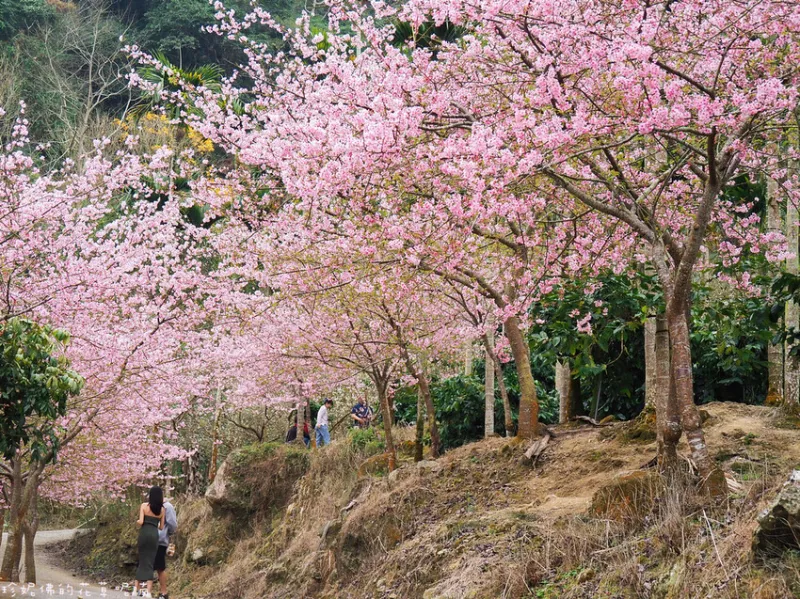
54 581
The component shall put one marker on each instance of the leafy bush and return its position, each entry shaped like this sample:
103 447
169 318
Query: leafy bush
16 15
367 440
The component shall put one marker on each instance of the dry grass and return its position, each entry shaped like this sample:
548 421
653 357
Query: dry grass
481 525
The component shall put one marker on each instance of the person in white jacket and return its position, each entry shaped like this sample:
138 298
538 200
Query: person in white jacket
323 435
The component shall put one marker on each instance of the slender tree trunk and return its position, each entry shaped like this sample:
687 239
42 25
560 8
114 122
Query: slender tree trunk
9 571
651 363
418 448
563 377
468 360
301 421
29 527
488 408
508 417
23 492
668 424
528 403
425 389
791 392
681 357
387 423
775 380
212 467
569 392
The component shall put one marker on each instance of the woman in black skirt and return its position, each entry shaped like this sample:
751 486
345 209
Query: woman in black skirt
151 520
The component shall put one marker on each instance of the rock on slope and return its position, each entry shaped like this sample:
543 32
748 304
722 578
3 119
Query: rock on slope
479 522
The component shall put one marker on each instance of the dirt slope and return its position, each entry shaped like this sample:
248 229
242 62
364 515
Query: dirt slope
479 523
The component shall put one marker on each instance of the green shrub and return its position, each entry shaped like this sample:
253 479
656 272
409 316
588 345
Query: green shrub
367 440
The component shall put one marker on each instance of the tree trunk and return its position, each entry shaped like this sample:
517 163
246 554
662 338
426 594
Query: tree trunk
9 571
569 392
301 421
775 380
668 424
791 391
594 407
528 403
387 423
468 360
13 552
562 388
212 467
425 389
418 447
713 478
508 417
22 494
651 363
29 527
488 408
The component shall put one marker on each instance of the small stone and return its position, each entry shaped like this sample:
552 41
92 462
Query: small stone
779 525
585 575
197 555
429 466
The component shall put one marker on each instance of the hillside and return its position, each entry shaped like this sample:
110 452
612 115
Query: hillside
481 523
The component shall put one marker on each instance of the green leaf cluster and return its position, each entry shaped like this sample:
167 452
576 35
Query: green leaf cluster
35 383
18 15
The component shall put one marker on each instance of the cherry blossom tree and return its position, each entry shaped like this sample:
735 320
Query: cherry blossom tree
555 137
102 249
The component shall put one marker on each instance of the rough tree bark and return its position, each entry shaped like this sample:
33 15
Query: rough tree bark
381 385
569 392
508 417
418 447
562 388
713 478
29 528
488 408
528 402
301 421
668 424
212 467
421 375
468 360
791 391
24 490
774 351
650 364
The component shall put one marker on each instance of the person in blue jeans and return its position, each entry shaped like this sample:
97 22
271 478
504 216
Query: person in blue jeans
323 436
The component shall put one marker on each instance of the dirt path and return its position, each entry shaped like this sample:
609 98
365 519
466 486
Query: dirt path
53 579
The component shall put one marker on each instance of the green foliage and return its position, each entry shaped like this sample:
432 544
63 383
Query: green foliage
785 288
459 404
16 15
608 361
35 383
366 440
730 332
176 28
169 79
428 35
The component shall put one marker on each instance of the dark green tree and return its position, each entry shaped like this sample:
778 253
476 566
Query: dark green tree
18 15
35 383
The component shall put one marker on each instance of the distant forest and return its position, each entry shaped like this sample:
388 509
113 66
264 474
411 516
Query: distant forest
64 59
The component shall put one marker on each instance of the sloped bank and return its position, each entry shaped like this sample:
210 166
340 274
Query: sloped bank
585 521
